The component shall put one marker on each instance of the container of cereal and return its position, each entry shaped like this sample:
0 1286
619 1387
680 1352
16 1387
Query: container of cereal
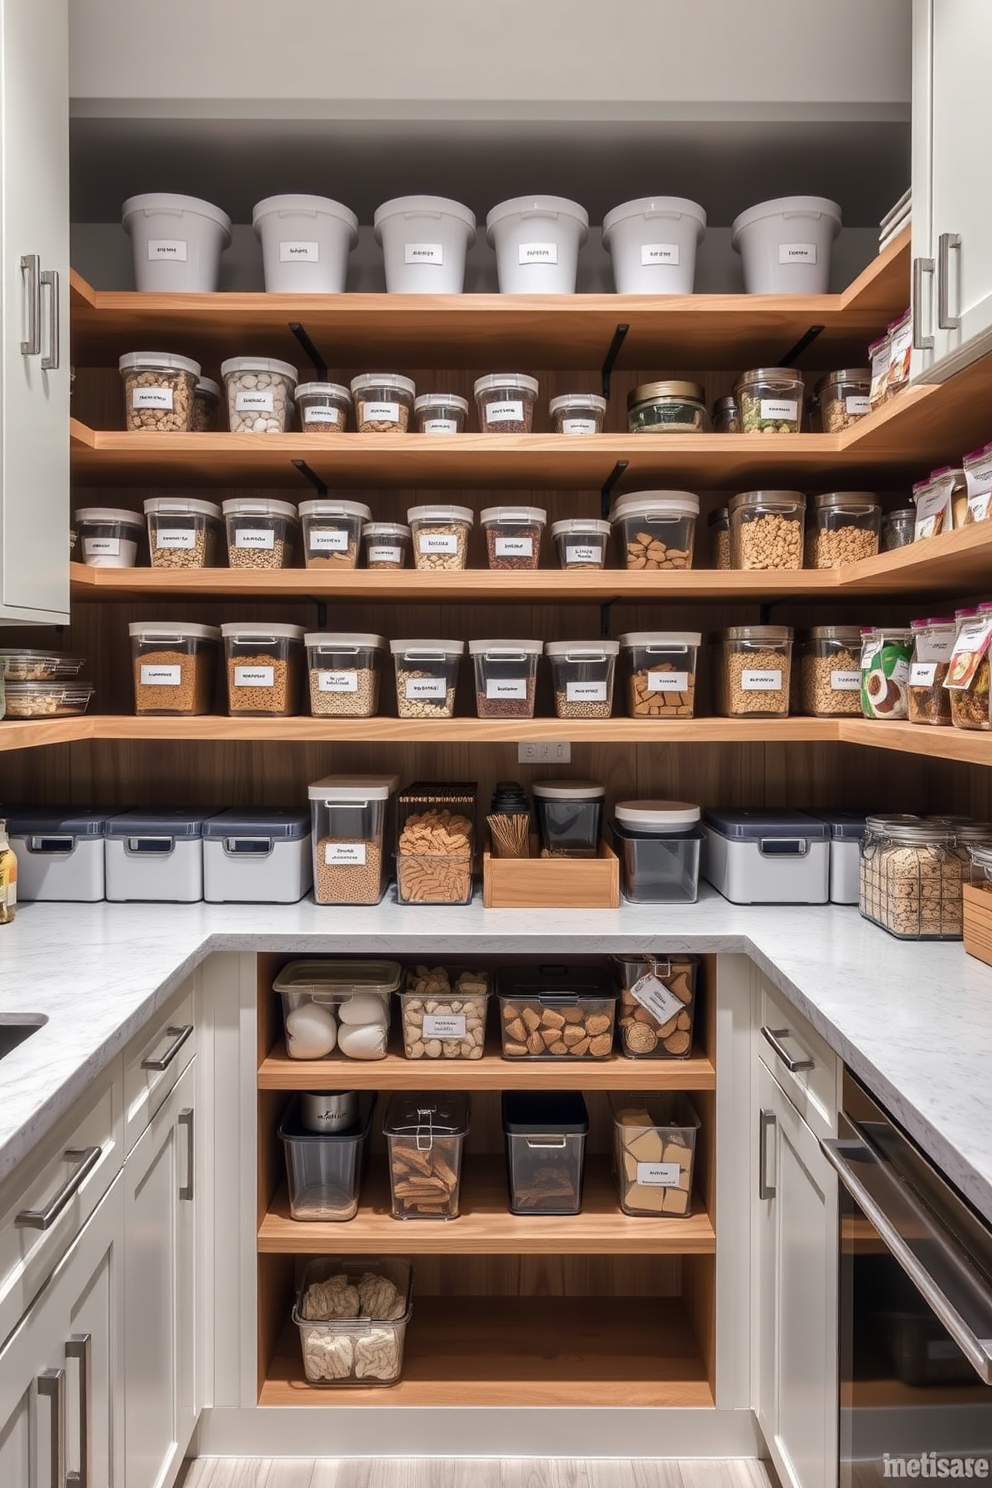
766 529
332 531
305 243
843 398
545 1133
352 824
383 402
658 845
933 642
440 413
426 677
719 525
659 670
655 529
158 391
886 655
657 1005
654 1150
569 817
257 857
505 677
770 400
155 856
577 413
641 263
553 1011
352 1316
582 675
344 671
264 668
505 401
174 665
843 527
387 544
259 394
443 1013
206 402
667 408
968 673
513 535
440 535
261 532
830 672
424 242
108 537
325 1171
581 542
767 856
752 671
436 842
183 532
322 407
425 1134
537 241
47 699
176 242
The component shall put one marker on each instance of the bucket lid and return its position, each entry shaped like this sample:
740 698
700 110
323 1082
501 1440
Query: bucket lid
338 976
660 816
577 400
157 361
180 822
419 207
354 788
505 648
664 503
108 514
667 388
40 821
829 500
589 526
322 390
514 382
155 202
544 1113
323 507
582 650
261 630
168 630
535 515
284 826
787 207
426 1113
655 207
344 641
441 514
537 207
427 648
369 381
181 506
756 633
440 400
568 790
763 821
234 365
259 506
661 638
304 206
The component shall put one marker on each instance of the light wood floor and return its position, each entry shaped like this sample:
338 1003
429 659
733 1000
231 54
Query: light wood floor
288 1472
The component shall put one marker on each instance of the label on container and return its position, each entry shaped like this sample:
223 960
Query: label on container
530 253
659 253
585 692
437 542
935 644
426 687
797 253
255 537
762 681
659 1175
348 854
978 472
785 410
505 413
152 397
337 681
578 426
322 416
933 508
175 537
328 540
295 251
970 645
979 506
439 426
922 673
380 554
583 553
161 248
857 405
452 1027
652 994
380 413
514 547
254 676
102 547
670 681
11 893
254 400
161 676
841 681
506 687
423 253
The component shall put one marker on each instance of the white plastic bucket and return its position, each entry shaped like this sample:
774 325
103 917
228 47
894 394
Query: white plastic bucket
785 244
424 242
305 243
652 242
176 241
537 241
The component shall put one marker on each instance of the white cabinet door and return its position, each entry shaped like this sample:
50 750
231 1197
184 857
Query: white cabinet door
34 299
795 1312
159 1278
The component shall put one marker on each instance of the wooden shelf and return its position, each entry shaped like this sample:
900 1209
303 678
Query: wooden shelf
968 746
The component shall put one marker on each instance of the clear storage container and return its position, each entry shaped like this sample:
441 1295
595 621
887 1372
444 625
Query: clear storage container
660 672
435 848
443 1013
968 673
440 535
582 676
830 672
332 531
47 699
844 526
383 402
426 677
60 853
545 1133
581 542
766 529
352 823
174 667
911 878
552 1011
257 857
505 677
719 525
657 1005
206 403
654 1151
752 671
886 656
344 672
108 537
505 401
261 532
658 844
577 413
425 1134
183 532
569 817
441 413
325 1172
155 856
655 529
767 856
898 528
259 394
667 408
158 391
20 665
322 407
513 535
843 398
264 668
338 1008
352 1315
387 544
770 400
726 419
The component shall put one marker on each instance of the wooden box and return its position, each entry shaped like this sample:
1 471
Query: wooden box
552 883
978 923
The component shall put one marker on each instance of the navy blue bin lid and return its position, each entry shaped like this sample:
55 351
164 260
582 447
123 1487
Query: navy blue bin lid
762 822
54 821
845 826
147 823
544 1111
284 826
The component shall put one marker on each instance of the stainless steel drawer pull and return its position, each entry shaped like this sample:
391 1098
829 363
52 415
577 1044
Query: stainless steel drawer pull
186 1120
80 1346
766 1120
84 1160
773 1036
51 1384
31 266
179 1037
50 363
921 266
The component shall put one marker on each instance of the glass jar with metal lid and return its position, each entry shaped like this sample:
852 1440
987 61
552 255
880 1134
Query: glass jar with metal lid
912 874
843 398
667 408
830 672
752 666
843 527
725 418
897 528
766 529
770 400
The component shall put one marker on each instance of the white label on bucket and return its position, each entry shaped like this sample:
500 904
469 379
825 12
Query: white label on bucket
530 253
337 681
102 547
322 416
583 553
254 537
585 692
668 681
797 253
514 547
152 397
659 253
380 554
841 681
175 537
578 426
426 687
299 252
652 994
174 248
329 540
161 676
440 426
254 676
784 409
659 1175
450 1027
508 687
379 413
922 673
423 253
764 681
505 413
258 401
351 854
856 405
437 542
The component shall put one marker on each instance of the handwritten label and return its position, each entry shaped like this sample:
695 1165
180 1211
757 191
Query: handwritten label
380 554
531 253
857 405
657 999
437 542
582 553
348 854
152 397
337 681
431 253
578 426
659 253
505 413
295 251
380 413
102 547
922 673
440 426
166 248
452 1027
659 1175
782 409
322 416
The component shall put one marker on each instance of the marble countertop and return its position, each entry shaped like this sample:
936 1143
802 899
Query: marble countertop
913 1020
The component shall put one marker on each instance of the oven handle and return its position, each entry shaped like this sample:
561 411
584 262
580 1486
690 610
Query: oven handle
978 1351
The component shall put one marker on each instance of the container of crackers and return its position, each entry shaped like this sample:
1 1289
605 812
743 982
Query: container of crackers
443 1012
425 1132
436 843
657 1005
654 1149
545 1133
552 1011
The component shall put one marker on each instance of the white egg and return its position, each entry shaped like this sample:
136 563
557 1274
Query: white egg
364 1041
362 1008
311 1032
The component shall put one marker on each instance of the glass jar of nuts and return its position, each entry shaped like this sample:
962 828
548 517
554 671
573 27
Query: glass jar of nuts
752 667
830 672
770 400
158 391
843 527
766 529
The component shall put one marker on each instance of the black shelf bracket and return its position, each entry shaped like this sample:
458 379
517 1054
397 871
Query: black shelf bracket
604 618
321 614
795 352
310 351
606 491
302 468
609 362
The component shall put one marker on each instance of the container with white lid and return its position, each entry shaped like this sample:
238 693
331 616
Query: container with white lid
537 241
387 544
440 535
767 856
440 413
513 535
183 531
176 242
261 532
655 530
155 856
569 817
264 668
424 242
766 529
660 672
426 677
582 675
158 391
322 407
505 401
577 413
383 402
344 671
658 844
259 394
332 531
581 542
60 856
505 677
305 243
206 401
326 1002
352 825
109 537
174 665
785 244
652 242
257 857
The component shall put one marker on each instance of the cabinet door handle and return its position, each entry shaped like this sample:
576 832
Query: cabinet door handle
84 1160
179 1037
921 266
945 320
51 1384
772 1036
50 281
766 1120
80 1346
31 267
186 1120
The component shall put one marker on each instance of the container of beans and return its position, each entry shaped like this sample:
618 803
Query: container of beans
830 672
183 532
109 538
440 535
332 532
440 413
513 535
582 674
264 668
752 665
158 391
770 401
261 532
655 529
344 673
725 417
933 641
843 398
322 407
968 671
206 404
898 528
505 677
259 394
426 677
667 408
173 667
766 529
387 544
843 526
577 413
352 823
659 669
505 401
383 402
581 542
719 525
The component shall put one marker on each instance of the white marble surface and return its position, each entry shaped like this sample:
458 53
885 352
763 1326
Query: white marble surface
914 1020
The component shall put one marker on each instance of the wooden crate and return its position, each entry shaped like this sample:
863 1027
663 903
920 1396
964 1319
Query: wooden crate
978 923
552 883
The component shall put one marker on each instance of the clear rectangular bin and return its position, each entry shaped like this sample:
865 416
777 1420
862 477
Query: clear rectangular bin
654 1152
658 844
581 542
505 677
344 672
545 1133
752 671
338 1008
436 843
332 532
660 672
261 532
569 817
513 535
325 1172
553 1011
656 530
425 1133
183 532
264 669
174 668
426 677
352 834
582 676
443 1013
657 1005
352 1313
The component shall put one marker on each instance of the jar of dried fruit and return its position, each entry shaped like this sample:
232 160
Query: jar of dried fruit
933 642
967 678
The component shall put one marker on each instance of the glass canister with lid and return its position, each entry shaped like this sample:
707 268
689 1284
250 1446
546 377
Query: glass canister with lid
752 667
968 674
726 419
898 528
770 400
830 672
667 407
912 875
719 525
843 398
933 642
766 529
886 654
843 527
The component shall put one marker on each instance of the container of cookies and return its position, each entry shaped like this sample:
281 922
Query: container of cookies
654 1151
352 1314
657 1005
552 1011
443 1013
545 1133
425 1133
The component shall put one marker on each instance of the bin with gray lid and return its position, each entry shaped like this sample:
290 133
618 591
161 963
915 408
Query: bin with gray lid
60 854
767 856
156 856
847 830
257 857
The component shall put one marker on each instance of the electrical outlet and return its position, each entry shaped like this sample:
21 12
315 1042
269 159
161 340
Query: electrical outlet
554 753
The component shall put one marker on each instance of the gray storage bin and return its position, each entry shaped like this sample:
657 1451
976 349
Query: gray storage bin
257 857
767 856
60 854
155 856
847 830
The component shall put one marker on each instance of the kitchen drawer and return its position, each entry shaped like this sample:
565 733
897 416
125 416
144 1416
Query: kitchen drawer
812 1088
155 1060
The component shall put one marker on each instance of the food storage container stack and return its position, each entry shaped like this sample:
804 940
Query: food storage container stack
338 1008
545 1133
581 542
657 1005
155 856
652 242
425 1134
847 830
60 854
767 856
305 242
108 537
785 244
660 672
553 1011
424 242
505 677
344 672
655 529
176 242
654 1151
352 1315
352 824
257 857
174 667
325 1171
658 844
569 817
537 241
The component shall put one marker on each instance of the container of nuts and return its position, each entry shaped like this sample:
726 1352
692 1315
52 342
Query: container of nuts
659 670
206 402
505 677
352 833
387 544
752 667
158 391
766 529
383 402
513 535
344 674
843 526
440 413
322 407
505 401
264 668
582 674
183 532
259 394
770 401
581 542
426 677
332 531
440 536
261 532
173 667
436 844
830 672
657 1005
655 529
443 1013
933 641
843 398
553 1011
